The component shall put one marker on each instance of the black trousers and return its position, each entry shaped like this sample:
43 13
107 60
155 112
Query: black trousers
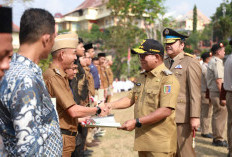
80 141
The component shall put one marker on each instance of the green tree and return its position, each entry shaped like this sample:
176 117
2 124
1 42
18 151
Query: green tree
221 21
193 40
195 18
207 33
126 34
94 35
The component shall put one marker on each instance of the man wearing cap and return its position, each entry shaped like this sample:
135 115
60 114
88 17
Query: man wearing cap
215 77
6 51
104 79
93 69
187 69
64 55
6 48
155 96
29 122
206 106
228 87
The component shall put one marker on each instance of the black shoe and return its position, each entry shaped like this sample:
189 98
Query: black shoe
207 135
219 143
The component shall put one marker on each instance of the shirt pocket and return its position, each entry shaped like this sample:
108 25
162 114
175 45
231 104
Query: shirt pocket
151 98
137 92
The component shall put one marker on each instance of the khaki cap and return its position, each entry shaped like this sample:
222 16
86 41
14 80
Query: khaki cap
69 40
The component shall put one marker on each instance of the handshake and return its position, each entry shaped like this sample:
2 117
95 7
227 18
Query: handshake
105 109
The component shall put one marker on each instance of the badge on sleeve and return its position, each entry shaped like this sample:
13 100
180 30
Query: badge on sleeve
178 67
167 89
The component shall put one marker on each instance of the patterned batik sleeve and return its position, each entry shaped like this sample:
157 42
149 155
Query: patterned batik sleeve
32 117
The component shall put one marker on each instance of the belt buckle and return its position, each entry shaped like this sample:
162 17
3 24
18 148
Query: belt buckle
72 133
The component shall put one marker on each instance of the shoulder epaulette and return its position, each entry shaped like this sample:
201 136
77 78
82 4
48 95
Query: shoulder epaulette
142 72
57 71
167 72
187 54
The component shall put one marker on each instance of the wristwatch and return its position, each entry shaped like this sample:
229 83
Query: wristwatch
138 124
98 110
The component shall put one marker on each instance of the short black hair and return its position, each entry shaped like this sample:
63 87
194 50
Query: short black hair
34 23
95 59
205 55
80 40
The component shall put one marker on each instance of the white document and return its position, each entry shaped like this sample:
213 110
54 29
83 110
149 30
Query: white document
108 121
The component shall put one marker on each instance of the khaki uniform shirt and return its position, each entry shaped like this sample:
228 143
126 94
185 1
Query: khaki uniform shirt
215 71
187 69
228 74
203 78
110 75
155 90
103 77
89 77
58 87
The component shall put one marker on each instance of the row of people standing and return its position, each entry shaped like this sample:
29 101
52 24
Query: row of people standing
31 124
80 89
167 98
216 102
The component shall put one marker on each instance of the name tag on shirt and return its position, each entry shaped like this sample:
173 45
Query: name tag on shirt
178 67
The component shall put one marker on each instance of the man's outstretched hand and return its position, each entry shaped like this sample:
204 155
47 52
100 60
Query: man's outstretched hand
128 125
104 109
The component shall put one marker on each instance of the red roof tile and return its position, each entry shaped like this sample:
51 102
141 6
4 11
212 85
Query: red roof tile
89 4
15 28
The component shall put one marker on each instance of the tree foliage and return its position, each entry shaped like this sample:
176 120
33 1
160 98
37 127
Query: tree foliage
194 19
222 22
125 34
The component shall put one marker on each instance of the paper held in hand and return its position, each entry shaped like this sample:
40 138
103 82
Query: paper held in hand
108 121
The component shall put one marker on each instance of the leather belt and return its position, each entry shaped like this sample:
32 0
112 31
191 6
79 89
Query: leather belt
67 132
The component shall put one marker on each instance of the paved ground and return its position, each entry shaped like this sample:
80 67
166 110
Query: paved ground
118 143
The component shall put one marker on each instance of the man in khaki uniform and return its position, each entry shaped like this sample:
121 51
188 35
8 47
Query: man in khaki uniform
215 76
110 75
228 87
206 106
89 75
104 79
155 96
188 71
93 69
64 54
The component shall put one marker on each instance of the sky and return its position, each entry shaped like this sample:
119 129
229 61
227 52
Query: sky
173 7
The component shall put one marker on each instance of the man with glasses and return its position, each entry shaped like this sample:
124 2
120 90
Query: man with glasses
187 69
155 96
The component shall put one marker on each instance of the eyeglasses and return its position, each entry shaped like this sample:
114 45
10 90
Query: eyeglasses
143 56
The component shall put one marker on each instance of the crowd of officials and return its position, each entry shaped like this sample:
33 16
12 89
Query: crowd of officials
41 112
